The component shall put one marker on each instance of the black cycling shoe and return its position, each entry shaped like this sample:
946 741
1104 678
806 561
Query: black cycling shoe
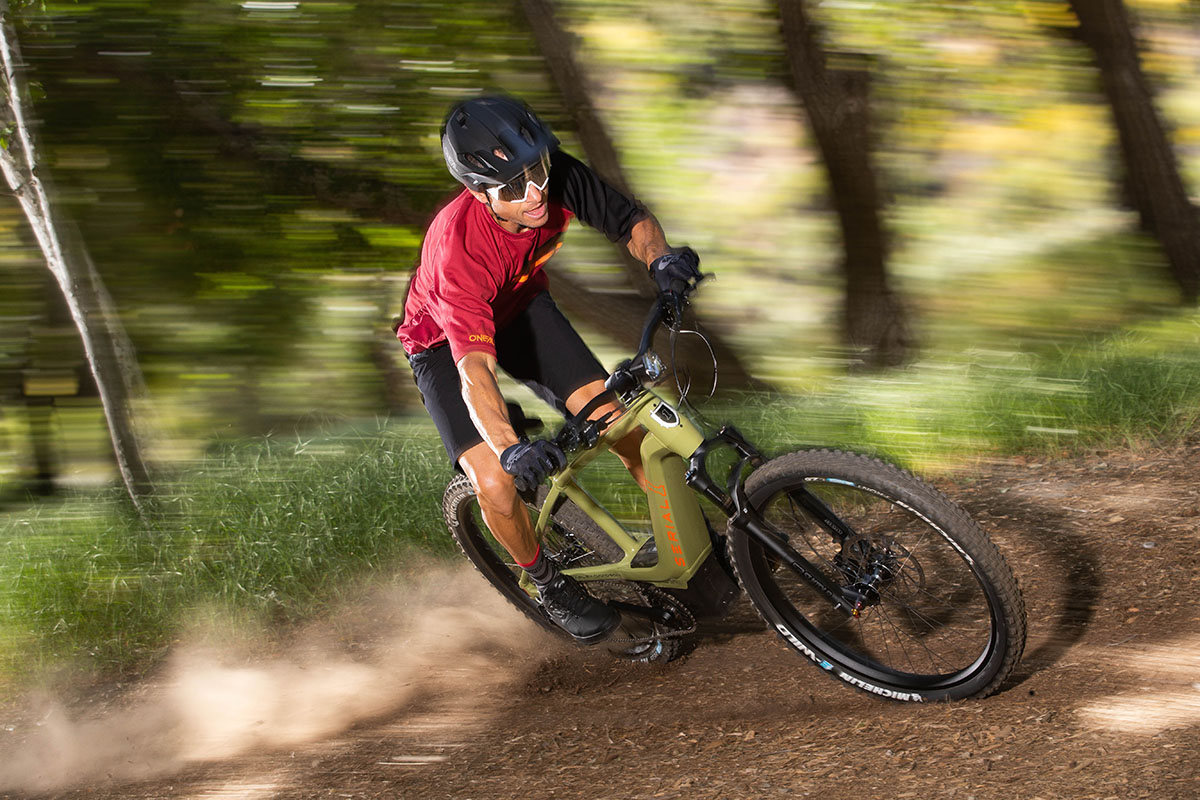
575 611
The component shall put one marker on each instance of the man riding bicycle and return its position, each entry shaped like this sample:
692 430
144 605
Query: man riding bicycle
479 299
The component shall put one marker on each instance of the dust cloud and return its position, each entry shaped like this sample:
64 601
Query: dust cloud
448 641
1168 698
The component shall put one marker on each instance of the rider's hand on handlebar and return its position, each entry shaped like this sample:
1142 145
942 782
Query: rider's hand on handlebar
530 463
677 272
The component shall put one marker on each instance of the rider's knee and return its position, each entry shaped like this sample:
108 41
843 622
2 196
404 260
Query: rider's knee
493 485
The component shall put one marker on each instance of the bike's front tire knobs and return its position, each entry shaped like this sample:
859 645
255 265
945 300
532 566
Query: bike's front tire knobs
939 617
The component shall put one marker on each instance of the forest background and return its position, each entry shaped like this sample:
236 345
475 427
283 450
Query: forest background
931 233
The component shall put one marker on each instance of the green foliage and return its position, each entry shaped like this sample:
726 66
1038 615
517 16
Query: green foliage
207 150
1136 389
216 155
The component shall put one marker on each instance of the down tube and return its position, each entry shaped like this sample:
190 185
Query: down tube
680 530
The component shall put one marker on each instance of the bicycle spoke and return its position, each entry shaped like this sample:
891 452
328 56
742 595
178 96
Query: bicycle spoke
917 622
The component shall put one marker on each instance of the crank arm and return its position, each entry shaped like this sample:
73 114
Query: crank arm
650 613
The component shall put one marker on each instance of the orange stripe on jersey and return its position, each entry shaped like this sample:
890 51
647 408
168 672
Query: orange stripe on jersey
546 256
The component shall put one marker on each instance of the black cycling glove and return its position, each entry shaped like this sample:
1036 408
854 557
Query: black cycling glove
531 462
677 272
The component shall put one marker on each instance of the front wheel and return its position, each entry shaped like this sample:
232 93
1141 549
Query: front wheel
940 614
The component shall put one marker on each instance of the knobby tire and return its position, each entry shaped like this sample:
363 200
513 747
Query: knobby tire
946 620
573 540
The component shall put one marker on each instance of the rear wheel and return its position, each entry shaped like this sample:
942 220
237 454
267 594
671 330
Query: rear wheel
571 540
941 616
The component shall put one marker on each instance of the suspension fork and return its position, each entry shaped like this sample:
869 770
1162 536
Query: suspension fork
735 503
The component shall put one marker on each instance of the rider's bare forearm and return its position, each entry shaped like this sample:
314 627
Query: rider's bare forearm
481 393
647 240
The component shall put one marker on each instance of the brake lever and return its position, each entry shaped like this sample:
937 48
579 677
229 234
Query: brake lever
574 437
672 304
674 301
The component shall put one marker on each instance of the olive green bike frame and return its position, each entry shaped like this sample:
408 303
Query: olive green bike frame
680 530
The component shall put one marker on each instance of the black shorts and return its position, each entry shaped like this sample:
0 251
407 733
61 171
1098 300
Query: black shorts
538 348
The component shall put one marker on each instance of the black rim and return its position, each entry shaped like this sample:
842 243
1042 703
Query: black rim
928 620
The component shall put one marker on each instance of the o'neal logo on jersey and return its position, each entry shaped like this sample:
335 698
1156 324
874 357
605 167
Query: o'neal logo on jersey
480 337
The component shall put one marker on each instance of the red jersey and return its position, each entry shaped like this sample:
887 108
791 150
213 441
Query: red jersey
474 277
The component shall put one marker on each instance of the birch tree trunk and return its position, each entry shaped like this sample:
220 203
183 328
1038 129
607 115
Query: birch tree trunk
84 293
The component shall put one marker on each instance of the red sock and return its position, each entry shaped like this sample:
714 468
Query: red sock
540 570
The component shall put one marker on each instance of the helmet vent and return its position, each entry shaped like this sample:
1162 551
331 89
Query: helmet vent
475 162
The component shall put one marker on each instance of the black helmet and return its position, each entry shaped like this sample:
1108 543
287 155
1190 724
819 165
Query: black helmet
476 129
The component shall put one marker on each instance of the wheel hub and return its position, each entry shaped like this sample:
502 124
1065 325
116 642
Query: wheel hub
871 564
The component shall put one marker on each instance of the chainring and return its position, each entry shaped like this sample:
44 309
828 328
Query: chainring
682 619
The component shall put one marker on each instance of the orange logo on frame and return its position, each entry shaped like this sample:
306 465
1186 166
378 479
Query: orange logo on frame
669 524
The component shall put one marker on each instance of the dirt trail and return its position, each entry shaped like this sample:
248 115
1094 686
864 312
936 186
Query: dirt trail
1106 703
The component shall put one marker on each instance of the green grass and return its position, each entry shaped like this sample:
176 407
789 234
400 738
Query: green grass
270 531
1139 388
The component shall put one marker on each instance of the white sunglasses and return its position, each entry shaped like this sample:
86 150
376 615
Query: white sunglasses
517 190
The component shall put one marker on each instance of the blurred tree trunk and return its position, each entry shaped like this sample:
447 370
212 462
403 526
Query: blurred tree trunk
81 287
617 316
838 109
1152 180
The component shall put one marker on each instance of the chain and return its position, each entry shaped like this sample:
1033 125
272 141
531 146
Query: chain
656 598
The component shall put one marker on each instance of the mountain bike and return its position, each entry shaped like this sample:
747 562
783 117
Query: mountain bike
868 571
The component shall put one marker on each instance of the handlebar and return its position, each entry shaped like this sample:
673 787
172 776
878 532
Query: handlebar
649 328
628 376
